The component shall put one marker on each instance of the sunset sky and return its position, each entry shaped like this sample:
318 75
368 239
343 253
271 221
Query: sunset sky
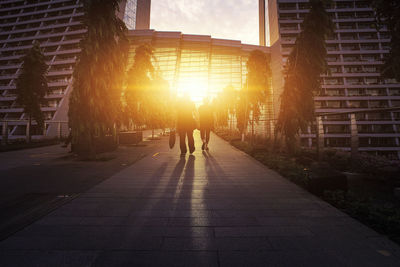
226 19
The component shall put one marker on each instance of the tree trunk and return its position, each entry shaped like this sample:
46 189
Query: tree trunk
116 131
152 134
92 146
230 123
252 130
28 140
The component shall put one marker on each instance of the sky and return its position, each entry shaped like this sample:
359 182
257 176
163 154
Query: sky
226 19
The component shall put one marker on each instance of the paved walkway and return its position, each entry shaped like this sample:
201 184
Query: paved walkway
220 208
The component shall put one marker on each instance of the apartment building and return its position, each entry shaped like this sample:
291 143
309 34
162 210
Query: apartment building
355 53
56 25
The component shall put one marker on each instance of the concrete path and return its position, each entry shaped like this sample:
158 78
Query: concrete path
220 208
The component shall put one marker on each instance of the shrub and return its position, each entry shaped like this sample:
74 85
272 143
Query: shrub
377 167
383 217
340 160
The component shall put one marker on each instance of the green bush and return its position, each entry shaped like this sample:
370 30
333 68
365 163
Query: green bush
244 146
339 160
285 166
377 167
227 135
383 217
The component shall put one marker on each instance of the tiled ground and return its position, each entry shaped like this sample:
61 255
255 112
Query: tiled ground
220 208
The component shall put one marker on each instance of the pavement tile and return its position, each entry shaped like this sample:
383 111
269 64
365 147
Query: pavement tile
220 244
216 208
277 258
189 232
47 258
157 258
264 231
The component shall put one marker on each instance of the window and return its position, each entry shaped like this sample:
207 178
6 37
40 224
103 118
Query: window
287 6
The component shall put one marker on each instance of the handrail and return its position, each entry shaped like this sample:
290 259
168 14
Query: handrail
358 111
46 121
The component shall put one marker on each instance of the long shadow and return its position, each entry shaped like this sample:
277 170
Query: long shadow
181 194
213 169
217 178
149 187
167 198
154 207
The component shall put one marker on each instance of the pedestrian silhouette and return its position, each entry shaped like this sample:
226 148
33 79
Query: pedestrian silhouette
206 123
186 124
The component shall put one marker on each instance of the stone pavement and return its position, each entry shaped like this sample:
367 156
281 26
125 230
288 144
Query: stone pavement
220 208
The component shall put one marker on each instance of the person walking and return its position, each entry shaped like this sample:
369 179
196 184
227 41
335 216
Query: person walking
206 123
186 124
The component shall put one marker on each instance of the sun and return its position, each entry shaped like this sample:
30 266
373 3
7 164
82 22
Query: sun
197 88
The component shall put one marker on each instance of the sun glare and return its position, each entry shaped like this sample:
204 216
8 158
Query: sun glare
197 88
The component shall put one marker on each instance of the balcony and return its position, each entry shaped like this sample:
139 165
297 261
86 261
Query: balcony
368 37
52 28
34 20
8 109
45 36
58 83
44 11
287 6
18 7
60 72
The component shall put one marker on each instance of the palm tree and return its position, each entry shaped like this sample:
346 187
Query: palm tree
163 99
220 108
139 83
230 99
255 92
154 103
241 113
32 86
388 13
95 102
303 70
147 94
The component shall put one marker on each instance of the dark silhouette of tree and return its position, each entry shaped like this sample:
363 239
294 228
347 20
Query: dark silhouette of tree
139 82
147 94
31 85
95 102
255 92
241 113
165 103
388 13
220 108
155 102
230 96
139 79
304 67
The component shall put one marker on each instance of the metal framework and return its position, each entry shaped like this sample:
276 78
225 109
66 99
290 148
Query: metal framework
209 64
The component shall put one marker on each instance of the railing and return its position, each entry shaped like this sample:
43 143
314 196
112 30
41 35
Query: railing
354 136
51 129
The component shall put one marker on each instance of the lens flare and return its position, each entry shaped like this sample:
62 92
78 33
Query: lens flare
196 87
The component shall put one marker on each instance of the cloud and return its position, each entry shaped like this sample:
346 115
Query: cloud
227 19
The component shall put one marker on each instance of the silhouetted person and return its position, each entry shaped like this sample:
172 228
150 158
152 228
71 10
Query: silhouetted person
206 123
186 124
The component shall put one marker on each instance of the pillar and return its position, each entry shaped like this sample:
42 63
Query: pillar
354 135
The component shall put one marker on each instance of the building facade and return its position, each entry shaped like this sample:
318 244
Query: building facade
56 25
135 14
200 64
355 54
143 14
